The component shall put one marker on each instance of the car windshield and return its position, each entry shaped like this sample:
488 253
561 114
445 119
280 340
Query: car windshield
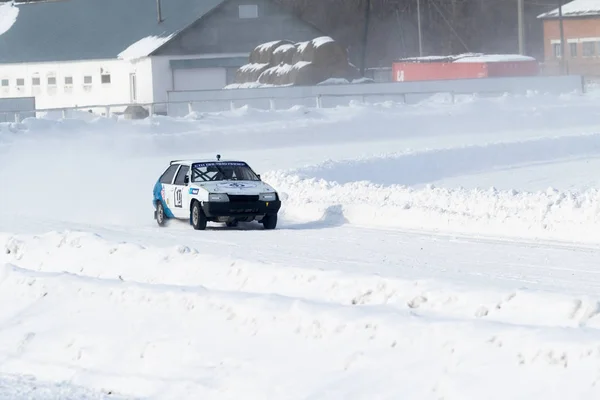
222 171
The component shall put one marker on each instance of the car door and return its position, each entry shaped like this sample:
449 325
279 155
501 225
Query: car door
181 196
165 192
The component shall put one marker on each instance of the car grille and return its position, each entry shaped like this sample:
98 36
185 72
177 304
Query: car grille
240 198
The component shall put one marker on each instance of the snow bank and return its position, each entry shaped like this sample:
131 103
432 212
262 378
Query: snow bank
89 317
25 387
8 16
143 47
552 215
385 191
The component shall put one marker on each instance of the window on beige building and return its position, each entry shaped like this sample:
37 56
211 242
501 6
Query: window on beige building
573 49
589 49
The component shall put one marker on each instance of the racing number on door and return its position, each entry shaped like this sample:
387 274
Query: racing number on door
178 198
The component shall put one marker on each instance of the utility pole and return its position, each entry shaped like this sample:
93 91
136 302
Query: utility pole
363 65
159 11
520 12
419 28
562 38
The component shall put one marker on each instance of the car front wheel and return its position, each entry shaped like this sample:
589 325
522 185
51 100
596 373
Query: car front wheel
198 217
269 221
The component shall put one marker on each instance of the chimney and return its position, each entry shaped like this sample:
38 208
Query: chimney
159 11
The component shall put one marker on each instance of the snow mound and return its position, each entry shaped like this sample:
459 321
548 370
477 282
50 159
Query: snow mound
379 191
8 16
89 315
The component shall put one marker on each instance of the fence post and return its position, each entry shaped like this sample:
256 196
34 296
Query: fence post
404 98
272 104
190 107
151 109
319 104
17 118
107 111
64 113
232 105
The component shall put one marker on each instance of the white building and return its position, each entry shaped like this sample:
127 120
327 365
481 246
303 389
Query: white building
98 52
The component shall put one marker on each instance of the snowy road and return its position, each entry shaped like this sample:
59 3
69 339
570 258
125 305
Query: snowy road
375 284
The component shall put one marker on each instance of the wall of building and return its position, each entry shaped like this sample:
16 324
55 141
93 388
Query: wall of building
231 29
67 84
163 76
582 45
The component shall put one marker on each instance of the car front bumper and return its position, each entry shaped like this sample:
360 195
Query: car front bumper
240 209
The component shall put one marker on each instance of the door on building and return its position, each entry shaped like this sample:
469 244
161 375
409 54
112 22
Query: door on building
133 87
200 78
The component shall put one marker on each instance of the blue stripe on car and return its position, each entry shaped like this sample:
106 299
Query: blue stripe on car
158 196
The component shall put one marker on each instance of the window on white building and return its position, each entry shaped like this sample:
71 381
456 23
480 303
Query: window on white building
20 82
51 81
68 80
5 83
105 78
248 11
87 80
35 81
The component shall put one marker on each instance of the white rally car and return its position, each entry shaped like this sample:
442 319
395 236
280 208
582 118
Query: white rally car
217 191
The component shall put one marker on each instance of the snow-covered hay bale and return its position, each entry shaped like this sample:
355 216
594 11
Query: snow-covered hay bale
324 51
282 62
305 73
278 75
250 72
301 52
263 53
283 54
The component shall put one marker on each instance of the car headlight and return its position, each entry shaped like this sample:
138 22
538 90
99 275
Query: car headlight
267 197
217 197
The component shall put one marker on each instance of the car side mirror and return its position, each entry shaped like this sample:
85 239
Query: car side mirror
258 175
186 180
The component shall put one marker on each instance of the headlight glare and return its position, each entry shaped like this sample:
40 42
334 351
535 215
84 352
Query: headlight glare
217 197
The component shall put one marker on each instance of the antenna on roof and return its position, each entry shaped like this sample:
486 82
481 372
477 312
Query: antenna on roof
159 11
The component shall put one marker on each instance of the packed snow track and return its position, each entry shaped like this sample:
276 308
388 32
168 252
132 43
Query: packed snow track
433 251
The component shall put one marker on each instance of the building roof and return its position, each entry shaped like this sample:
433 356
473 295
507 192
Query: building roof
576 8
62 30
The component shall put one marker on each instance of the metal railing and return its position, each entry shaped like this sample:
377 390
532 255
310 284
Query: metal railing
151 108
317 101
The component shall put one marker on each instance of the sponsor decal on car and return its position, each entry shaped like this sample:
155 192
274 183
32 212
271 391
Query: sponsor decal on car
194 191
236 185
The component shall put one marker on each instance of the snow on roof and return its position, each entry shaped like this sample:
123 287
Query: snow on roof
575 8
470 58
494 58
320 41
8 16
90 29
143 47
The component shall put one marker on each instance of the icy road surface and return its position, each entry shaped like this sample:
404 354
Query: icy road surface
437 251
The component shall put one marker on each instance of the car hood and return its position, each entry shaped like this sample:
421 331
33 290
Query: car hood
236 187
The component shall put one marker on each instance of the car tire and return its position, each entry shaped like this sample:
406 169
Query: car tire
160 214
269 221
197 217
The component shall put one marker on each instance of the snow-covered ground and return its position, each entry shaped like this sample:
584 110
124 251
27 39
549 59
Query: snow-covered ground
426 251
